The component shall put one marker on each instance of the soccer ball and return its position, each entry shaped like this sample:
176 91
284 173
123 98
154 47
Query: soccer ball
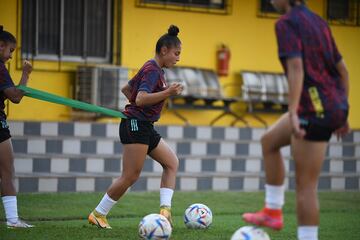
197 216
154 226
250 233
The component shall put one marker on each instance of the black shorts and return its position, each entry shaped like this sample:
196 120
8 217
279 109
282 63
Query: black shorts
315 132
4 131
135 131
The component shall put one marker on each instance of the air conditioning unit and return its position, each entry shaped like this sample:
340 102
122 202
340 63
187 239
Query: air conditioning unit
101 85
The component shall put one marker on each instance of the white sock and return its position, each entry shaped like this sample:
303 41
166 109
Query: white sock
10 206
274 196
166 196
105 205
307 232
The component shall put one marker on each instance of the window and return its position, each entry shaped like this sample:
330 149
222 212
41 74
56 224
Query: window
70 30
220 4
266 9
209 6
343 12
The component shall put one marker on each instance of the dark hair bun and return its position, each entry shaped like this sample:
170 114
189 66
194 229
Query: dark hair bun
173 30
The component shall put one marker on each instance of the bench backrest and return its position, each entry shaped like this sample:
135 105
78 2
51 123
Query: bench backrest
197 82
264 87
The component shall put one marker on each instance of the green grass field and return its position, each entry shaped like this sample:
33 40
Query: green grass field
63 216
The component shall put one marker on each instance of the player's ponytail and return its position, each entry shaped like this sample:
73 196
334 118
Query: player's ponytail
5 36
170 39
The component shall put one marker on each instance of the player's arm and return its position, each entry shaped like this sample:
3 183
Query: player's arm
126 91
295 75
144 98
344 75
13 94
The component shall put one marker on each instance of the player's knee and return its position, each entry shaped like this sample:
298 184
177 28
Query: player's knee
171 165
132 177
269 143
174 164
7 174
266 142
306 192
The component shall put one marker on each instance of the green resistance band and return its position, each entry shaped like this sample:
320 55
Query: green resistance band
48 97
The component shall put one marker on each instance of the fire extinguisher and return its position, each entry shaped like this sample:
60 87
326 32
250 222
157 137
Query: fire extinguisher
223 59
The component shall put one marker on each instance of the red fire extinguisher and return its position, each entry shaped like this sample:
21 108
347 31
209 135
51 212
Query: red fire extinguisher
223 59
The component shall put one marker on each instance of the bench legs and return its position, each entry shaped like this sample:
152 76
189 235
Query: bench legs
259 119
185 120
237 118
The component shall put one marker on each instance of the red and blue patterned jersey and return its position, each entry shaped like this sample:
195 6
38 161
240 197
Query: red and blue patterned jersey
150 79
5 82
302 33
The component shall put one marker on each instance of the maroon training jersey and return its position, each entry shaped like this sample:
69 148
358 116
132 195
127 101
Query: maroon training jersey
150 79
5 82
302 33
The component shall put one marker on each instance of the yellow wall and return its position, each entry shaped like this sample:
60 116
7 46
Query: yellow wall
57 82
250 39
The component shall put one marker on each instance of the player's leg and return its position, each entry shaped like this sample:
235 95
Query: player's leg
7 169
309 157
8 192
133 160
275 137
164 155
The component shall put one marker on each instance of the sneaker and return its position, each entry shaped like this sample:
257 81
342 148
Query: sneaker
19 224
166 212
270 218
99 220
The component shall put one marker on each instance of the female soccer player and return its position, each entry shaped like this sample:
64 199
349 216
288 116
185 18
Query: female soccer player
9 91
318 107
146 93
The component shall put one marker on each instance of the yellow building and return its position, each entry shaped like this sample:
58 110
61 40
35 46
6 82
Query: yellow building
132 29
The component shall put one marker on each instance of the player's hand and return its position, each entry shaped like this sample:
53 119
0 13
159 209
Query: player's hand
27 67
341 132
175 89
295 126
